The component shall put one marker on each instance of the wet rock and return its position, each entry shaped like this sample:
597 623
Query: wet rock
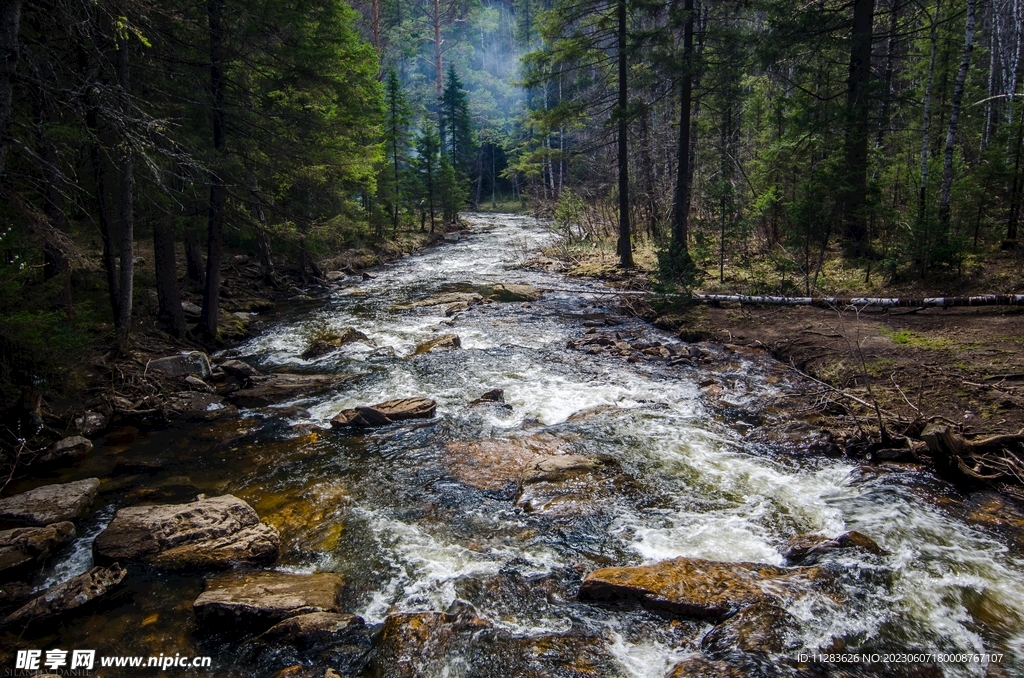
68 449
509 292
301 671
232 327
469 298
762 627
341 641
334 276
310 520
386 413
197 406
198 384
262 599
420 643
550 656
182 365
326 345
695 587
192 311
89 423
212 533
24 547
239 369
497 464
495 395
737 665
50 503
571 484
14 593
274 388
807 549
316 629
445 341
67 597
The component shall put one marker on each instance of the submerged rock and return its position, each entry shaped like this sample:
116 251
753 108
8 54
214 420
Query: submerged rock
262 599
499 463
695 587
385 413
495 395
217 532
50 503
274 388
445 341
67 597
571 484
24 547
808 549
468 298
182 365
325 345
420 643
762 627
199 406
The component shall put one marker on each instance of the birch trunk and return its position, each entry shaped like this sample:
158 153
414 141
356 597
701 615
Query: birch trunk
954 120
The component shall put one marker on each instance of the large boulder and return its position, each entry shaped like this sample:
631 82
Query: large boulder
183 364
66 449
275 388
695 587
50 503
259 600
385 413
212 533
341 641
445 341
23 547
67 597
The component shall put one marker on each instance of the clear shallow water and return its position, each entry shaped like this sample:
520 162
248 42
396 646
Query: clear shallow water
391 509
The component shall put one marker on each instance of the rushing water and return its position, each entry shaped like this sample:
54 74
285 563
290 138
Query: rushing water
391 509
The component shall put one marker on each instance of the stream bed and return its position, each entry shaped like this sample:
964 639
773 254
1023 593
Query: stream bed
420 516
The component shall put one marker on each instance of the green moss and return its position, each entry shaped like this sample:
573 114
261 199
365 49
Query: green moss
916 340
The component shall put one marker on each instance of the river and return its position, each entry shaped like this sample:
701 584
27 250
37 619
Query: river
414 529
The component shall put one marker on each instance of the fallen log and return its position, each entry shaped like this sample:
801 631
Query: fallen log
841 302
988 459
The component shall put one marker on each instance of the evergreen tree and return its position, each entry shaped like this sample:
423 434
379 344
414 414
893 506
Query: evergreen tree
428 160
396 143
459 139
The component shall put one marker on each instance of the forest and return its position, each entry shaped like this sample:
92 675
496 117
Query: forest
774 137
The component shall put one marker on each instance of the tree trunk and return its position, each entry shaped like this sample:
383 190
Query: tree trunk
168 297
218 191
890 49
435 18
127 248
625 247
926 122
106 234
954 119
194 266
10 20
680 212
858 111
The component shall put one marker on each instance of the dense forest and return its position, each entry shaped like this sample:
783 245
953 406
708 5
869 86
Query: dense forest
762 134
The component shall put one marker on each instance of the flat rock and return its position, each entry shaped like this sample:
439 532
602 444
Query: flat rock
67 449
50 503
239 369
737 666
571 484
763 628
199 406
183 364
499 463
445 341
694 587
510 292
67 597
274 388
316 629
809 548
469 298
211 533
26 546
385 413
263 599
326 345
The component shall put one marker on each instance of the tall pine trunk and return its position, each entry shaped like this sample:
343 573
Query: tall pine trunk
954 120
625 247
218 191
10 22
681 202
858 111
168 296
926 120
127 245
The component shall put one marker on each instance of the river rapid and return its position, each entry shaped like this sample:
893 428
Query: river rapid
398 513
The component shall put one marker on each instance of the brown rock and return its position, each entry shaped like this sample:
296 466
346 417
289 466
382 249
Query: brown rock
385 413
762 627
264 391
695 587
237 368
807 549
700 666
182 365
469 298
420 643
262 599
570 484
445 341
50 503
329 344
68 449
217 532
199 406
24 546
496 464
67 597
316 629
510 292
495 395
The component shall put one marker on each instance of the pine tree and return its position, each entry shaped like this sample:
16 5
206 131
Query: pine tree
396 142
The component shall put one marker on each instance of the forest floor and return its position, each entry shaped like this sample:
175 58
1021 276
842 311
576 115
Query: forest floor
959 366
